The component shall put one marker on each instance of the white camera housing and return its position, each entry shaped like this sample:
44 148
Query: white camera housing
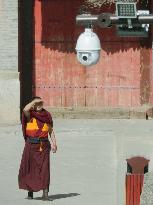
88 48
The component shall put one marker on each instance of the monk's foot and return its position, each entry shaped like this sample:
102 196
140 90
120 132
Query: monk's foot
46 198
29 198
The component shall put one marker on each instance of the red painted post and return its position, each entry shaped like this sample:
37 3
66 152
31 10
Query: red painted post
128 189
134 183
134 180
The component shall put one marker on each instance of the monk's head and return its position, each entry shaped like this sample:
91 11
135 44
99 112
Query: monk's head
38 106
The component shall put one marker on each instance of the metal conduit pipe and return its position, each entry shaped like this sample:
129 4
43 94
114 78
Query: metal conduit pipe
106 20
86 19
148 19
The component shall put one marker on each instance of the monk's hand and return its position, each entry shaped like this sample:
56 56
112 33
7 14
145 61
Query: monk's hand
54 148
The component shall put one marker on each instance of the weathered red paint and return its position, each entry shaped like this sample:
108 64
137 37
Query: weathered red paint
138 164
134 183
120 79
134 180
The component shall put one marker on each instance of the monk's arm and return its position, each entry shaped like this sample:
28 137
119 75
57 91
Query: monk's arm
52 136
29 106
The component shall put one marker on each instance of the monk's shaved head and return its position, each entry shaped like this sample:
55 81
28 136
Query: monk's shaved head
36 97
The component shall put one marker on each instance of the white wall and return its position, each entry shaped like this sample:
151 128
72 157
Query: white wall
8 34
9 79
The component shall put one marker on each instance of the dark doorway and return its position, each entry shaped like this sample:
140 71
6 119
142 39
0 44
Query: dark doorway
25 50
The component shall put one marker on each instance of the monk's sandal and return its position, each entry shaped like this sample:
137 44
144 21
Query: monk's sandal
30 195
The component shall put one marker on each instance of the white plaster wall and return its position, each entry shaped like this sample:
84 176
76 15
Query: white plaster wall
9 80
8 34
9 97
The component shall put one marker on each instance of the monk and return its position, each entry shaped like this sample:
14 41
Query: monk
34 172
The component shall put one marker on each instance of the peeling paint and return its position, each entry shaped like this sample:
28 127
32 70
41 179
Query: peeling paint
98 3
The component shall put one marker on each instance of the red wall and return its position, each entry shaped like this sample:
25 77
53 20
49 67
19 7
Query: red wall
120 79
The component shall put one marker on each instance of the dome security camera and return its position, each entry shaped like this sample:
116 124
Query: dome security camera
88 48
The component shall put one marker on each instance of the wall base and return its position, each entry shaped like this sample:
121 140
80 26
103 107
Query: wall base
100 113
9 97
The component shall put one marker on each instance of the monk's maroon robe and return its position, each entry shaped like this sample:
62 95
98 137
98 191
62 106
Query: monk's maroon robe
34 172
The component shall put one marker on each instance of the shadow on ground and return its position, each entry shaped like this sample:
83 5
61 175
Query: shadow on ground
58 196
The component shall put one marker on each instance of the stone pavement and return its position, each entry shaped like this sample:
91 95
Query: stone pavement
85 169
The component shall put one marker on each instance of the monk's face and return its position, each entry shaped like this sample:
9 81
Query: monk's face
38 106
